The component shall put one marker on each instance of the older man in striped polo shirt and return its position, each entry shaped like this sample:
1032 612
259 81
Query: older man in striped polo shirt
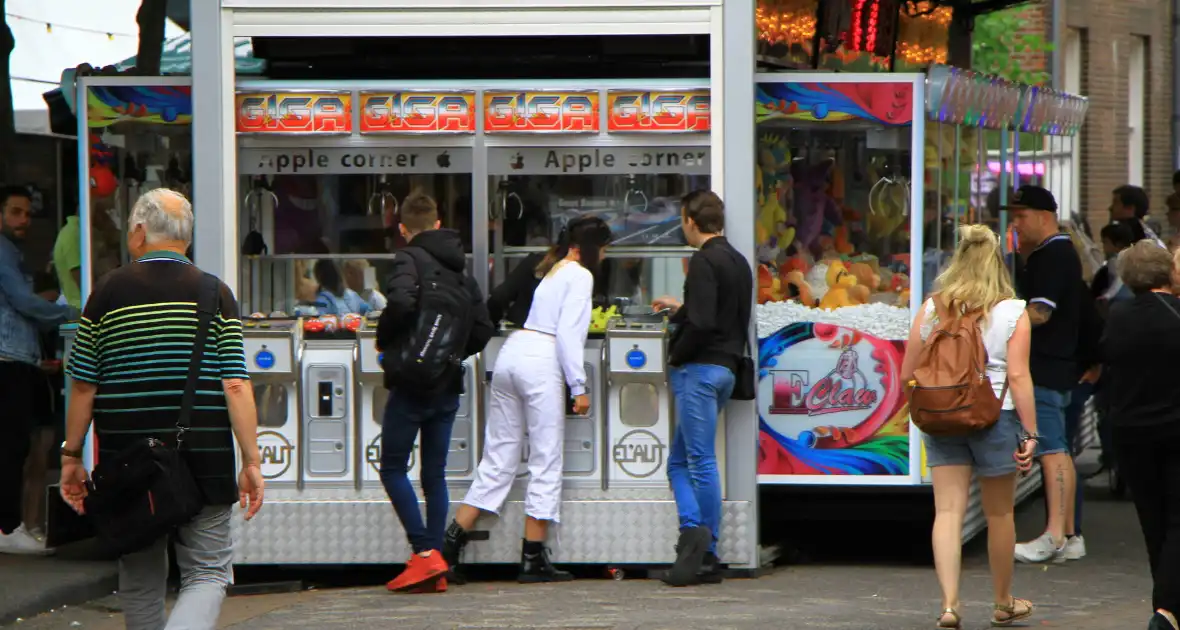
129 367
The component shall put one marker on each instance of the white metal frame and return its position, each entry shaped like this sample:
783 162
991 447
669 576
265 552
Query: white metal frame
729 26
917 169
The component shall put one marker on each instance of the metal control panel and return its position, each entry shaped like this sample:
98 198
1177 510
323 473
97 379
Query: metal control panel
639 403
272 359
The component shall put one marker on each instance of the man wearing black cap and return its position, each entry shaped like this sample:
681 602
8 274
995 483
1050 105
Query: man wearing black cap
1050 281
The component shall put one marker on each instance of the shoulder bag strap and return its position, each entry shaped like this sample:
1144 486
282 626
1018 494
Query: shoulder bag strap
206 309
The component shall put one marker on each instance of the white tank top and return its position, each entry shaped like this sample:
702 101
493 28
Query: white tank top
997 330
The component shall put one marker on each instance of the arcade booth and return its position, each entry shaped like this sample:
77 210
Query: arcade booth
862 182
302 226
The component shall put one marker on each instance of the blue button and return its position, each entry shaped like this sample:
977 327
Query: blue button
265 359
636 359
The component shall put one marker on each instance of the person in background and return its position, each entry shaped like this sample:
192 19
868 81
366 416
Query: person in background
411 414
24 316
67 250
1172 229
1139 347
333 297
511 300
1130 204
127 399
709 341
354 277
528 394
48 416
1050 281
978 279
1107 290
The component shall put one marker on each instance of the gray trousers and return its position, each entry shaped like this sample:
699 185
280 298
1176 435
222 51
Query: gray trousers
204 553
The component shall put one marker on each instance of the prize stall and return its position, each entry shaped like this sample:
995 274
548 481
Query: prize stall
305 181
862 181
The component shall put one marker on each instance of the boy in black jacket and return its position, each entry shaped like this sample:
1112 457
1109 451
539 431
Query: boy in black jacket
438 260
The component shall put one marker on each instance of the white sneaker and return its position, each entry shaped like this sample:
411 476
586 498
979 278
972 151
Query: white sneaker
21 542
1040 549
1075 548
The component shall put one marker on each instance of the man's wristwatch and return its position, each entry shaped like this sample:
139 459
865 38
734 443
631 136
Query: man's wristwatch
66 452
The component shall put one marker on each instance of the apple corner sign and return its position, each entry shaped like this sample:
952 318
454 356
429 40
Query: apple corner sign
360 160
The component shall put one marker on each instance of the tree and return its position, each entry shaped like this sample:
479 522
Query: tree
999 47
150 18
7 115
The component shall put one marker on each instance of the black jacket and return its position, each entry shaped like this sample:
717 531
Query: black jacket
512 300
402 293
713 323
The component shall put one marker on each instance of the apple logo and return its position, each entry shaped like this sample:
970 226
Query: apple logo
443 160
517 162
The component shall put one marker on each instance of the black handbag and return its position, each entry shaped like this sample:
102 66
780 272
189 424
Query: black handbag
745 381
146 490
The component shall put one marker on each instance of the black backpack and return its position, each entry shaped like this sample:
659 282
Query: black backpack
430 358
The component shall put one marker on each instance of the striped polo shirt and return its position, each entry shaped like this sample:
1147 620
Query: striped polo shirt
135 341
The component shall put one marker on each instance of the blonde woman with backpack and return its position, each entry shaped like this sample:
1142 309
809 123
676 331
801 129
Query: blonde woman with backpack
975 287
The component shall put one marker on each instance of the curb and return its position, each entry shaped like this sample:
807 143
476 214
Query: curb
63 593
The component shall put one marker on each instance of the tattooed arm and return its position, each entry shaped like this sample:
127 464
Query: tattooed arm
1039 313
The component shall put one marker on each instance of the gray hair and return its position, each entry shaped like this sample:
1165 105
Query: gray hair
165 216
1145 266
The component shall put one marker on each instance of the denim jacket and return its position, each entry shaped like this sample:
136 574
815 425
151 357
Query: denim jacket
23 314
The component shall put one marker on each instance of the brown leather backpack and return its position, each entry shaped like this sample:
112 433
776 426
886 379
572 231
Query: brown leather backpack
950 392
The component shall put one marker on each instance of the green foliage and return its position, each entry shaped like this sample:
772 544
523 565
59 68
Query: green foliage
998 46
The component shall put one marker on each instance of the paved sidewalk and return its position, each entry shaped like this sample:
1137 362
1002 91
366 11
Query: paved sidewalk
30 585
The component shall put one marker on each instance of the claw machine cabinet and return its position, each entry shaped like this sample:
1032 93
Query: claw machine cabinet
839 223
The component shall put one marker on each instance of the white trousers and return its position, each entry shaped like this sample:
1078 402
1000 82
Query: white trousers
527 390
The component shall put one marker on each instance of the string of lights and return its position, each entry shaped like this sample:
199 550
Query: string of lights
49 26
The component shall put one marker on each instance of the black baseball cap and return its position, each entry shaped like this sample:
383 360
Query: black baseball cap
1032 198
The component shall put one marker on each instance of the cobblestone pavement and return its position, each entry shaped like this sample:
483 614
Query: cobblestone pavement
1105 591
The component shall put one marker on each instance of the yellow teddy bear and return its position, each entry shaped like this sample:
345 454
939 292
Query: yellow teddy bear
840 285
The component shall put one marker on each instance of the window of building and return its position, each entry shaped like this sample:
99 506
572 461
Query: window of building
1073 60
1136 110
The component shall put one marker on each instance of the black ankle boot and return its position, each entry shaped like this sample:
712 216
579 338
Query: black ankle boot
710 572
535 566
454 540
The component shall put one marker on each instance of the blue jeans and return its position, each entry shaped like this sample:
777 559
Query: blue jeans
1073 427
1051 405
701 391
406 417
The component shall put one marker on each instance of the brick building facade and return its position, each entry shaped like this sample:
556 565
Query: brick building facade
1119 54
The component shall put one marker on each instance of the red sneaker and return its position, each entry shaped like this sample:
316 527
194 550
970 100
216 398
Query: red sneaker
437 587
421 569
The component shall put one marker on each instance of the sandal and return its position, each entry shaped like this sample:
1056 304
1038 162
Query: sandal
1011 611
955 624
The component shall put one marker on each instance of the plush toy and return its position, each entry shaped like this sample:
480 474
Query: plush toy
817 277
859 294
839 282
794 263
842 244
796 288
769 288
811 204
865 276
771 177
900 284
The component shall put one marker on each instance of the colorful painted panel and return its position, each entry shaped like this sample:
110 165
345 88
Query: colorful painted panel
829 403
417 112
541 111
880 103
665 111
155 104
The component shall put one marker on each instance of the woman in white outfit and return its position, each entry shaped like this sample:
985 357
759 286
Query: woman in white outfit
528 391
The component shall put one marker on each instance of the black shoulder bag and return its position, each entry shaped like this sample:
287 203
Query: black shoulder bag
745 382
146 490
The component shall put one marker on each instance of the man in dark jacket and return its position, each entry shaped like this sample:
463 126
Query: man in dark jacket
411 411
703 357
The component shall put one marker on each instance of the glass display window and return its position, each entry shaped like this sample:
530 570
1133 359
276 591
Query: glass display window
319 226
535 192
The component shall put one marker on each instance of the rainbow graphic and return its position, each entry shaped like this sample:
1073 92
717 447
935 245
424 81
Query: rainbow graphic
160 105
882 103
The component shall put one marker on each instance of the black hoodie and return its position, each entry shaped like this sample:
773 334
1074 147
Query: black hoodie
402 293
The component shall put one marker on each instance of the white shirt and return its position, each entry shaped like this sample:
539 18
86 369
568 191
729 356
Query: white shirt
561 307
998 329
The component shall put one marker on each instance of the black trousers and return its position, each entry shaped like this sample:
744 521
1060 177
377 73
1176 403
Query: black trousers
19 386
1149 459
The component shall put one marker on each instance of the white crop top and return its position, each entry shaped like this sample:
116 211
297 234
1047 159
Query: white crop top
998 329
561 307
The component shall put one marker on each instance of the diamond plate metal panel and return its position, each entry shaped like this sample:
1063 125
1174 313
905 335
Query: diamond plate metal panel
307 530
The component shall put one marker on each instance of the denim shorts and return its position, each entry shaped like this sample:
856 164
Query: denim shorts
991 452
1051 405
